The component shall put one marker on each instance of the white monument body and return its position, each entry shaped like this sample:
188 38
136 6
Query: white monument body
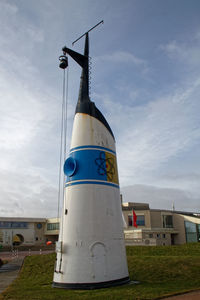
91 251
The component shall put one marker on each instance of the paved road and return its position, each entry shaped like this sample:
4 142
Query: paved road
8 272
188 296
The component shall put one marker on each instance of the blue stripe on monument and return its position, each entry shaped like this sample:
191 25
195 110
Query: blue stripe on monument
92 146
91 164
91 182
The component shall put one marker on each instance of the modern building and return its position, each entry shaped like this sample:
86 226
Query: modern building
159 227
143 226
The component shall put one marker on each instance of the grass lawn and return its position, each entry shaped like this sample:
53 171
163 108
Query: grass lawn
161 271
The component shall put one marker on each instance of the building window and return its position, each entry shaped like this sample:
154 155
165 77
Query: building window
191 232
39 226
140 221
158 235
53 226
164 236
13 224
150 235
167 221
130 220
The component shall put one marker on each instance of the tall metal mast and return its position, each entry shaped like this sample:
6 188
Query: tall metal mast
83 61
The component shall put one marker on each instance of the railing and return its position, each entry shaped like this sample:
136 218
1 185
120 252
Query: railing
140 242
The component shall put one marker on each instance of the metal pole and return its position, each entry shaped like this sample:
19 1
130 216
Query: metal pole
87 32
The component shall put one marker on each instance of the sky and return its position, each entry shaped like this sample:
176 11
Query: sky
145 79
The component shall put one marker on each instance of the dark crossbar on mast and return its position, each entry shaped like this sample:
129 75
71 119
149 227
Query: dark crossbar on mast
87 32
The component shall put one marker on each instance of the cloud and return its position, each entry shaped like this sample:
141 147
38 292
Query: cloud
185 52
182 179
125 58
19 34
8 9
150 135
161 198
27 193
29 124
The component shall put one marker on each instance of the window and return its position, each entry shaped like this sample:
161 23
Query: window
53 226
164 236
140 221
167 221
130 220
191 232
158 235
5 224
39 226
150 235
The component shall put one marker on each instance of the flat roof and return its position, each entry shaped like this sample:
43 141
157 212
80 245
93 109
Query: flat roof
18 219
135 206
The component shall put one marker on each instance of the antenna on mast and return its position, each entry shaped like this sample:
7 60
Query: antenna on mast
87 32
83 61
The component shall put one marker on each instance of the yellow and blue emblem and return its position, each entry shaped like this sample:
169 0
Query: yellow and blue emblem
91 164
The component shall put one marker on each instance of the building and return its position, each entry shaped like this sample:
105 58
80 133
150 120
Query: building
159 227
144 226
51 230
26 231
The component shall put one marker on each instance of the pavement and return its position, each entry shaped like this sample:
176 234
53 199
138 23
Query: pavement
195 295
9 272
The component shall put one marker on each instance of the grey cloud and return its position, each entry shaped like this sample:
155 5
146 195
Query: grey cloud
25 194
186 53
161 198
184 176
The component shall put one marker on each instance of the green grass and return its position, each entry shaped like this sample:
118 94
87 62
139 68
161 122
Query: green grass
183 250
161 271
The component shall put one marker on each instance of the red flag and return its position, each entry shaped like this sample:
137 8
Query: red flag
134 219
